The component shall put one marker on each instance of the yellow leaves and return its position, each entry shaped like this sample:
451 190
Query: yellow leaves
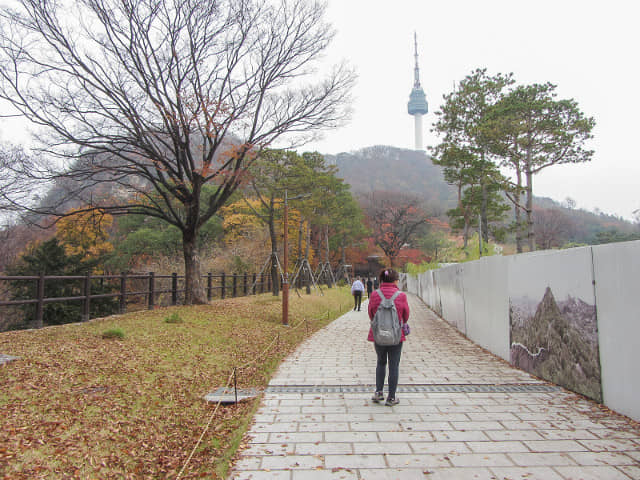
85 233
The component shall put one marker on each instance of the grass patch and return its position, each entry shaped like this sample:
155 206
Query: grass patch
135 409
113 334
173 318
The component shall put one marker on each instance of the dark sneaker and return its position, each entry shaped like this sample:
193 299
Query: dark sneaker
378 397
391 402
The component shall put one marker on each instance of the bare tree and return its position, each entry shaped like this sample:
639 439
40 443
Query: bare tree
168 102
552 228
394 218
16 189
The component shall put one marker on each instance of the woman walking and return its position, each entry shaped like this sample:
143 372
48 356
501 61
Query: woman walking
388 353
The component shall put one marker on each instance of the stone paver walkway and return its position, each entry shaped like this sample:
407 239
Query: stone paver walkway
308 428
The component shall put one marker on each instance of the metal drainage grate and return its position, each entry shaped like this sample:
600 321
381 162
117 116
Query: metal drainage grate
431 388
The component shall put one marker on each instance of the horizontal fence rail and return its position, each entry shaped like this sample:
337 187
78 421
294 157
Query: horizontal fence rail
146 289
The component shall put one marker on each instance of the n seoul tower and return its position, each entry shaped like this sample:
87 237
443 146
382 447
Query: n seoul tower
417 100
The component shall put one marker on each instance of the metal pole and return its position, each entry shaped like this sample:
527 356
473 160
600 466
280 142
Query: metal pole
40 304
285 258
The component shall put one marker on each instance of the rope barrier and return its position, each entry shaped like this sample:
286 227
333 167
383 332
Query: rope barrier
232 375
215 410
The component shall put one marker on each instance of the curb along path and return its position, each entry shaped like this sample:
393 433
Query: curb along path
463 414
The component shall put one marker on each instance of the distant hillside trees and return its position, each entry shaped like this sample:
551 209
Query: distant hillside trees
553 228
160 99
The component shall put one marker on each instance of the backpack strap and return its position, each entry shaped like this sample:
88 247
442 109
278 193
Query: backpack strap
380 294
395 295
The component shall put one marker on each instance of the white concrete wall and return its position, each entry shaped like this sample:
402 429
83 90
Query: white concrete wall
487 304
474 297
617 273
451 291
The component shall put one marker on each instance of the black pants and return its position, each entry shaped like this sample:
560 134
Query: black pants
357 300
392 354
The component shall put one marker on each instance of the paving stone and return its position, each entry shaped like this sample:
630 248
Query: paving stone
354 461
332 474
632 470
459 474
554 446
296 437
602 458
610 445
525 473
424 461
449 448
481 460
393 474
497 447
291 462
324 448
591 473
541 459
502 435
391 448
261 475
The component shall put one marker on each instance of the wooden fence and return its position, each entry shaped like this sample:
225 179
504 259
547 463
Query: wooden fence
146 288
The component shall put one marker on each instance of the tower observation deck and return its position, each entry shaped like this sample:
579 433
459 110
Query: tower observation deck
417 105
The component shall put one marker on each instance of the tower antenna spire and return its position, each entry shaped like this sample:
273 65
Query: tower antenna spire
417 105
416 74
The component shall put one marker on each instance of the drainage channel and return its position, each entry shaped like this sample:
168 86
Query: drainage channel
229 395
427 388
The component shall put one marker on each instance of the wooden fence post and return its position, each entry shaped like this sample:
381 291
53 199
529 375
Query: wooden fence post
223 285
244 284
253 285
87 298
209 286
174 288
151 299
235 285
123 292
40 304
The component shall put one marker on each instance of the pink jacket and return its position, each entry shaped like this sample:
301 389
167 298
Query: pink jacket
402 305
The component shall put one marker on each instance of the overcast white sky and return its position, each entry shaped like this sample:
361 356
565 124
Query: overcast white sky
589 48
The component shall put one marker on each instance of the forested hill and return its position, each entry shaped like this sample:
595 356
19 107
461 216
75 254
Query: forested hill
395 169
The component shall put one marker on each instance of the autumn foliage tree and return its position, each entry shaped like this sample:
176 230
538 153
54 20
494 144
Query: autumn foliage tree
86 234
395 219
158 100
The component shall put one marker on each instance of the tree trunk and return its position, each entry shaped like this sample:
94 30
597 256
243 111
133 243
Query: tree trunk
326 256
484 221
530 227
518 212
300 234
194 292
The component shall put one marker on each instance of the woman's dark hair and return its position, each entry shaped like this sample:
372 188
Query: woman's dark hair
388 275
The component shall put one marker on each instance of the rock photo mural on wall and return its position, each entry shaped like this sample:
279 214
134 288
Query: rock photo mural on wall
552 318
